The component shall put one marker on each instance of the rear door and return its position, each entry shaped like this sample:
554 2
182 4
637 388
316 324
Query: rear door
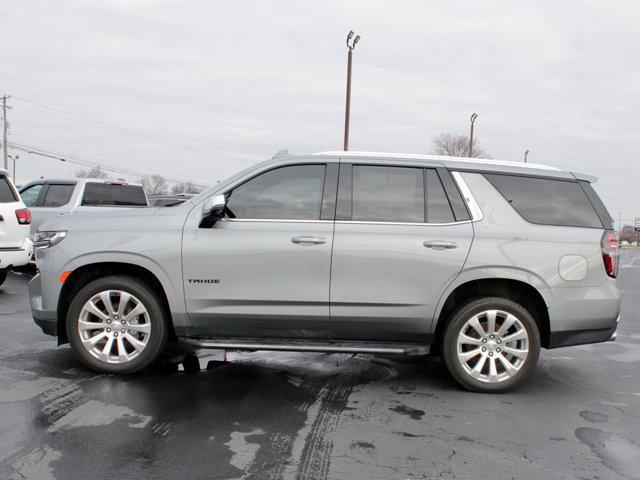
402 234
47 200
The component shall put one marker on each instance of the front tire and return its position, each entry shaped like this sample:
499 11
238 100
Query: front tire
491 345
3 275
116 324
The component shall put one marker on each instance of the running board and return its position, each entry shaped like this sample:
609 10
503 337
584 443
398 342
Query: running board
252 344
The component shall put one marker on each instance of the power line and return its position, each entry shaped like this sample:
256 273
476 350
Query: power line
101 124
73 159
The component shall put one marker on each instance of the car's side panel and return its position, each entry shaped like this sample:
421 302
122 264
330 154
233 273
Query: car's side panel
506 246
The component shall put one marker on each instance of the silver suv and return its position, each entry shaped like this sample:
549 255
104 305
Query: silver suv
481 261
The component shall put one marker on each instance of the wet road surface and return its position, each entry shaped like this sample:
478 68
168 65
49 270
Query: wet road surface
316 416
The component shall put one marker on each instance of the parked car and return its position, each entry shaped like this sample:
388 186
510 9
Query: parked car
48 198
168 200
482 261
15 246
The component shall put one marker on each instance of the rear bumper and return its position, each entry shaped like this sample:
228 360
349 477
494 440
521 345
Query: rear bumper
582 337
18 256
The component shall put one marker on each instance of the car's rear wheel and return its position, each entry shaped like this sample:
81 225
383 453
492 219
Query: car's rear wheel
3 275
491 345
116 324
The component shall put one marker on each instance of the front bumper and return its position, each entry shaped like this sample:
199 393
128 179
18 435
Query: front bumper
18 256
47 320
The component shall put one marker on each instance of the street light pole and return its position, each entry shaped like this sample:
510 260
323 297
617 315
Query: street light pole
473 119
526 152
350 46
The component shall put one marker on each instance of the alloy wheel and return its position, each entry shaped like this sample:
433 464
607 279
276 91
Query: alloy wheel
492 346
114 326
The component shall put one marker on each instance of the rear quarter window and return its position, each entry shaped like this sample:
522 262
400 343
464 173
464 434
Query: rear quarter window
7 195
111 194
547 201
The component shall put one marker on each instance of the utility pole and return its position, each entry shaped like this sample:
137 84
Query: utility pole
350 46
15 159
620 223
526 152
473 119
5 131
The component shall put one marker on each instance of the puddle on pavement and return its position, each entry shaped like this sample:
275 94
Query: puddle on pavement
616 451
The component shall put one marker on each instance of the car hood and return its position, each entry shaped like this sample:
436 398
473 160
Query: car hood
116 218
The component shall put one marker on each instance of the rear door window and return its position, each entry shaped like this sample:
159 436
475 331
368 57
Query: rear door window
58 195
547 201
7 195
388 194
113 194
438 207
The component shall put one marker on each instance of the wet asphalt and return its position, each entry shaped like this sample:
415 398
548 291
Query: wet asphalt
316 416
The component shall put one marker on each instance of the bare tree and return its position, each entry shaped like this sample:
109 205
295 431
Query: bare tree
452 145
93 172
185 187
154 185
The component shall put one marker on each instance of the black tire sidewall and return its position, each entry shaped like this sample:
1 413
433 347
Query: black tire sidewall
3 274
151 302
459 318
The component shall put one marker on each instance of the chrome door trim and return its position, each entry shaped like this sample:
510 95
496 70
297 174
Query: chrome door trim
474 208
361 222
271 220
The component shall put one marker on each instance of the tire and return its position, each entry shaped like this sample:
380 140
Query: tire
3 275
463 355
138 334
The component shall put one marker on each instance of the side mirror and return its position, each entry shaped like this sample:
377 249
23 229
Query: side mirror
213 209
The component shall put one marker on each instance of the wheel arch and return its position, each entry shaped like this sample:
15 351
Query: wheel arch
517 290
84 274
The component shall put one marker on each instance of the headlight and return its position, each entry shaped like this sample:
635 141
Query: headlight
48 239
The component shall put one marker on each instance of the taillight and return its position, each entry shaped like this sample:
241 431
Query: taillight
24 216
610 254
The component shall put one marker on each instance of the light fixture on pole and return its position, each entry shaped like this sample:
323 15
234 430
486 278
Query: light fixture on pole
473 119
351 45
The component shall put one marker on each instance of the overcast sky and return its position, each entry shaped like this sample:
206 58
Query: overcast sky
201 89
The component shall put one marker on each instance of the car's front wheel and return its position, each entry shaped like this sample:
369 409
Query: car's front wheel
491 345
116 324
3 275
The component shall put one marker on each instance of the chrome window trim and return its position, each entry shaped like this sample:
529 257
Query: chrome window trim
363 222
272 220
474 208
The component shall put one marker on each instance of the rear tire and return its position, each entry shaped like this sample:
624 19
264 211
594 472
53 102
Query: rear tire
117 324
491 345
3 275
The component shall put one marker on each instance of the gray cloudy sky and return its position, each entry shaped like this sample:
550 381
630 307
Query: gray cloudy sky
210 87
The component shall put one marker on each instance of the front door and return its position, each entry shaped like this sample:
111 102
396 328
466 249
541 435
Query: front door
264 271
399 240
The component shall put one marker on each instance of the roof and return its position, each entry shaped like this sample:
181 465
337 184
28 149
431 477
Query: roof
459 163
435 158
4 172
78 180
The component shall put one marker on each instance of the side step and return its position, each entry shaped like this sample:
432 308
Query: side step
254 344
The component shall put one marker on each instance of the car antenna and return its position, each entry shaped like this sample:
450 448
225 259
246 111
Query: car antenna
281 153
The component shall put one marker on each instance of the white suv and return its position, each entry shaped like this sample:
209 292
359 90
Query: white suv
15 246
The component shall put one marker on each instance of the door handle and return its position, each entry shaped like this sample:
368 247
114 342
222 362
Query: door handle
309 240
439 245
